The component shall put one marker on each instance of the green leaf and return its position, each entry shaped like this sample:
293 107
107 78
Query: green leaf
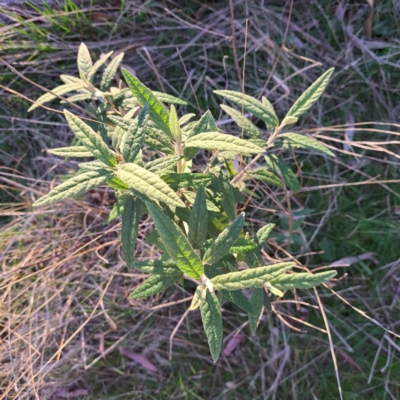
133 139
73 187
158 113
71 79
59 90
190 197
90 139
250 104
268 177
118 207
72 151
110 71
256 301
78 97
97 65
130 226
202 125
224 142
224 241
212 322
228 198
237 297
147 183
198 298
85 63
157 139
155 284
185 119
311 95
164 163
186 179
117 184
262 234
174 123
242 245
267 104
280 167
253 259
301 280
248 127
169 99
94 166
254 277
296 141
289 121
158 267
198 220
176 243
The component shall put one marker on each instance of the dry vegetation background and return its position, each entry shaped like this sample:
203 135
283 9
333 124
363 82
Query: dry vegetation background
67 328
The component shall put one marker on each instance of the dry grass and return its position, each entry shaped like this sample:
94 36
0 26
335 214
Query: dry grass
66 322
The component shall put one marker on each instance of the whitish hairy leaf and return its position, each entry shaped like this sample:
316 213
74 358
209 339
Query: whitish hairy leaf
186 179
228 198
198 298
157 139
267 104
190 197
90 139
78 97
262 234
255 277
279 166
97 65
158 113
133 139
157 267
164 163
242 245
296 141
224 241
118 207
311 95
211 122
250 104
301 280
270 178
248 127
176 243
73 151
73 187
224 142
198 220
212 322
130 226
110 71
256 301
93 166
173 122
186 118
71 79
85 63
59 90
169 99
289 121
148 183
155 284
237 297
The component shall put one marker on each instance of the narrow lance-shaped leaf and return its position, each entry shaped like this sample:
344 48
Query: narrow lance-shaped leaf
155 284
173 122
256 301
186 179
176 243
77 97
311 95
169 99
255 277
301 280
97 65
268 105
263 233
157 267
85 63
198 298
212 322
201 126
250 104
237 297
158 113
147 183
198 220
110 71
164 163
296 141
242 245
186 118
90 139
75 186
130 226
224 241
248 127
134 137
269 177
280 167
224 142
228 198
158 139
118 207
72 151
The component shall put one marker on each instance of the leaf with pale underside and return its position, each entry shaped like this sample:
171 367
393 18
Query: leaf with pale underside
158 139
311 95
110 71
155 284
85 62
256 301
147 183
130 226
173 122
224 142
72 151
301 280
164 163
224 241
75 186
169 99
212 322
252 105
198 298
97 65
158 113
90 139
245 124
176 243
280 167
262 234
198 220
254 277
296 141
